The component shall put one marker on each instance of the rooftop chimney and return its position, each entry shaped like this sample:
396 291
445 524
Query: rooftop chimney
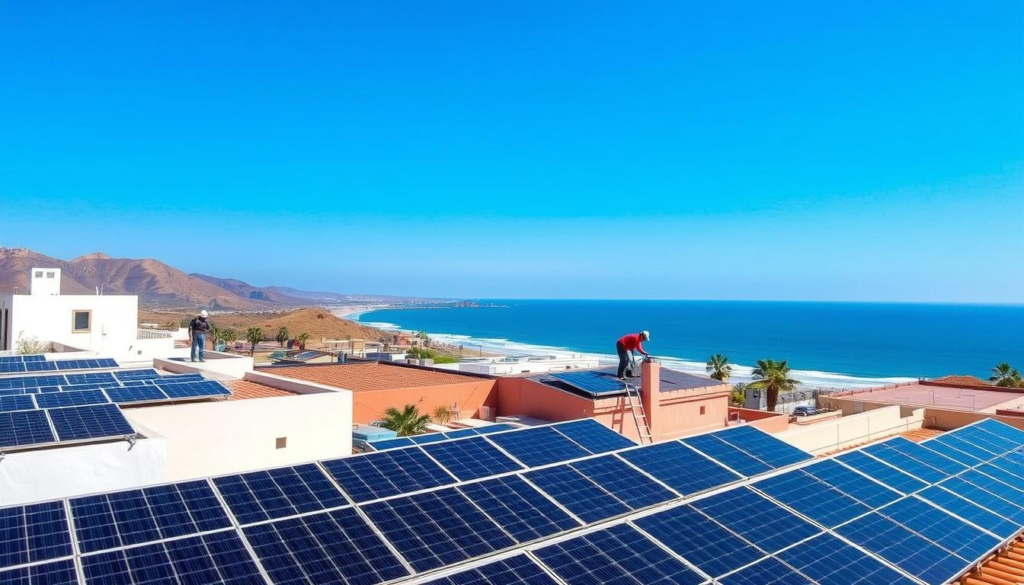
650 391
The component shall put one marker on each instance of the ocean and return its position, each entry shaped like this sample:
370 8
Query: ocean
827 344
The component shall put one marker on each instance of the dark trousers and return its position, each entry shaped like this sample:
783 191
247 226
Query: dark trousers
623 358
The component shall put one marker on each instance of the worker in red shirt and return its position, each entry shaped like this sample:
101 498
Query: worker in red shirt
627 343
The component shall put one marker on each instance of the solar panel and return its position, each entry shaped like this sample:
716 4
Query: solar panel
619 554
30 534
679 467
1003 430
12 367
388 473
592 382
756 519
30 427
89 364
459 434
136 374
386 444
495 428
130 517
277 493
986 499
65 399
9 359
427 438
926 456
618 478
903 548
830 561
851 483
517 570
32 381
89 422
576 493
538 446
328 547
993 485
969 511
471 458
985 440
522 511
411 524
733 458
594 436
962 453
40 366
16 402
768 571
1005 465
55 573
212 558
940 527
193 389
887 474
701 541
956 441
812 498
91 378
763 446
135 394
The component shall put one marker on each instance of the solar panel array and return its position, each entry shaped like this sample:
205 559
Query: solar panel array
38 363
621 515
33 428
122 387
438 437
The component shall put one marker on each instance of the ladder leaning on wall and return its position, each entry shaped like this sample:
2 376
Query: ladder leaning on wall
635 404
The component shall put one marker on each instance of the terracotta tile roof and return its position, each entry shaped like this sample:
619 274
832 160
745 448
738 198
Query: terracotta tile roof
918 435
1004 568
370 377
961 380
246 390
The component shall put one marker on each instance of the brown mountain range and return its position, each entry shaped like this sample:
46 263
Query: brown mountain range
156 283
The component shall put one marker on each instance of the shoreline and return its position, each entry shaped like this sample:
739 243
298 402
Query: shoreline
810 379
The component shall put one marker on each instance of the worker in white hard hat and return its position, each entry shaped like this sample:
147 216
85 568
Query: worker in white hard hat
197 329
627 343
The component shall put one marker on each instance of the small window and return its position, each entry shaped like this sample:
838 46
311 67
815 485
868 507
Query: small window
282 442
39 273
702 409
81 321
50 274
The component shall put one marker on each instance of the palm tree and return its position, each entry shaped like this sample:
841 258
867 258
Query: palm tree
282 335
303 337
254 335
718 367
405 422
443 414
738 397
1005 376
772 377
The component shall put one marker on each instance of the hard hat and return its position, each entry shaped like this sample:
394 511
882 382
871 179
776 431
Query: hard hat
646 335
203 314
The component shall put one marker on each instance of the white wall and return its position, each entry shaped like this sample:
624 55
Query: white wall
831 435
216 438
46 474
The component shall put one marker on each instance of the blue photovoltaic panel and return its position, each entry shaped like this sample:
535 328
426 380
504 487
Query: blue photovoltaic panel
1003 430
969 511
29 534
460 434
985 440
427 438
1005 465
135 394
903 548
17 402
961 453
926 456
769 571
12 367
618 478
538 446
212 558
136 374
727 455
830 561
592 382
853 484
679 467
471 458
495 428
89 422
277 493
388 473
887 474
40 366
85 364
65 399
522 511
411 524
9 359
386 444
594 436
763 446
92 378
55 573
518 570
330 547
618 554
136 516
32 381
193 389
955 441
986 499
755 518
991 484
941 528
33 357
29 427
577 494
812 498
710 547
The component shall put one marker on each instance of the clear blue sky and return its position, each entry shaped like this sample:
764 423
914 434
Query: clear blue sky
716 150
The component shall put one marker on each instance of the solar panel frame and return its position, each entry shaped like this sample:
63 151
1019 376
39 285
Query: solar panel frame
813 498
735 459
34 533
395 443
516 570
90 378
592 382
278 493
521 510
186 390
760 521
471 458
71 399
828 560
386 473
25 428
940 527
17 402
881 471
679 467
576 493
930 458
1002 429
135 394
969 511
984 498
763 446
538 446
629 485
594 436
766 571
62 572
83 423
870 492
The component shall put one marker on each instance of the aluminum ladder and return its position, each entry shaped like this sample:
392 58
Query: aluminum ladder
635 402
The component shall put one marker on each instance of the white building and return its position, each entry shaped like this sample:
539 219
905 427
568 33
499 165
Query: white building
101 324
522 364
